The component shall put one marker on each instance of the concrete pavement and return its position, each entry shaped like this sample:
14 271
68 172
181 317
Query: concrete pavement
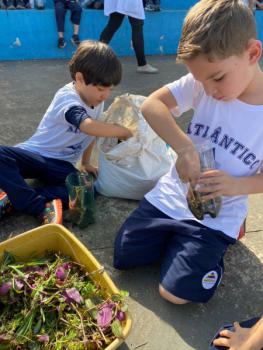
26 91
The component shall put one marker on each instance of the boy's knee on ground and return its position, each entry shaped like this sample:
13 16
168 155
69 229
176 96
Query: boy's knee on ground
120 262
117 263
170 297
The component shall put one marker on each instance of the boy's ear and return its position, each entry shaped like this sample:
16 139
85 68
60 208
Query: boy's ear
254 49
79 78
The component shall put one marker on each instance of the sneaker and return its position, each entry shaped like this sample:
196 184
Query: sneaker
52 213
149 8
61 43
157 8
20 5
75 40
10 5
148 69
5 204
98 5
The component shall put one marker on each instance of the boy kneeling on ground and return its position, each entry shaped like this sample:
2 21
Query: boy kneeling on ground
224 87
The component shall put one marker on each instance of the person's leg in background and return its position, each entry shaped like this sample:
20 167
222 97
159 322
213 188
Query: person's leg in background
152 5
156 4
9 4
114 23
149 6
138 45
75 17
20 4
60 13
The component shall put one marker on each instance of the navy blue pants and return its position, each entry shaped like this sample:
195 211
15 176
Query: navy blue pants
245 324
114 23
17 165
61 7
191 254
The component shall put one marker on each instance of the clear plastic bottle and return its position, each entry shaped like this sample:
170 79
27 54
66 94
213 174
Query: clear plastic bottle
81 199
194 198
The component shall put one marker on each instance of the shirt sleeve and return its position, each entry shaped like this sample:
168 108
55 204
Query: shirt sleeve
187 93
75 115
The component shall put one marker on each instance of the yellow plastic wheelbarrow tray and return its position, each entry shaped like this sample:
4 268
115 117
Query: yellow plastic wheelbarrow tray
57 238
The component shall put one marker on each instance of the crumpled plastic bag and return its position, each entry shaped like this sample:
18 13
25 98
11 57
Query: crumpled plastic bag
129 169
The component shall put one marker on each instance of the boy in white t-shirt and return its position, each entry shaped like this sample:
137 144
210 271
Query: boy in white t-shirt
224 87
65 134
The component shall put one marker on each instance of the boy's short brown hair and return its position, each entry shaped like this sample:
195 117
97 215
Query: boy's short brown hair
97 62
216 28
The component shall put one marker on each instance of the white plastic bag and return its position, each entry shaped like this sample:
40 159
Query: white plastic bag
131 168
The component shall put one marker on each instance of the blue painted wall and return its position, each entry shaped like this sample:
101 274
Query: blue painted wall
32 34
165 4
177 4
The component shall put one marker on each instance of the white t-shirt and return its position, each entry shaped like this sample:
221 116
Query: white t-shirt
132 8
55 137
235 129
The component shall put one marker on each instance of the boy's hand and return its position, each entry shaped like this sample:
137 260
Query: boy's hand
237 340
214 183
188 165
88 168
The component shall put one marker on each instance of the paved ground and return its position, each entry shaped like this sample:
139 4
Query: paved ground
26 90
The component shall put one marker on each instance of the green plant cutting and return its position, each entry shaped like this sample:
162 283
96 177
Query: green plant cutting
52 303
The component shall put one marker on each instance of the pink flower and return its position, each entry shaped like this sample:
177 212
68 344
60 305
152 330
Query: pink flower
72 294
61 273
104 316
44 338
120 315
66 266
4 288
19 284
